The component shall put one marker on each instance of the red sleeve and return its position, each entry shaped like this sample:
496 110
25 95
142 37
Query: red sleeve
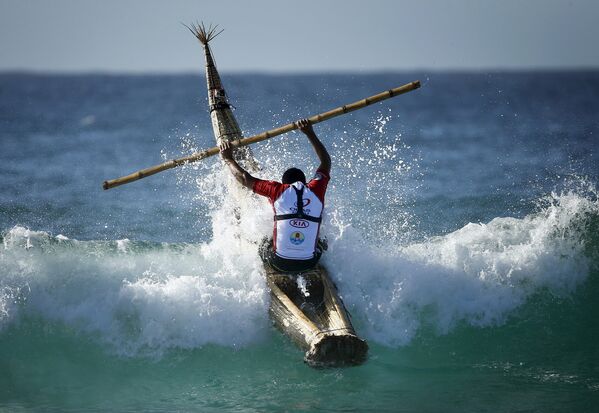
319 183
269 189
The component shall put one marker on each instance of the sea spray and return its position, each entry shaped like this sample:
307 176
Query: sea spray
144 298
141 298
478 274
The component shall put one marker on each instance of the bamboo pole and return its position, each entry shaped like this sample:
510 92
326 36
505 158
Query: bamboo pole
197 156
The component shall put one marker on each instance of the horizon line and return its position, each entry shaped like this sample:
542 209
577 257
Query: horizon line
354 72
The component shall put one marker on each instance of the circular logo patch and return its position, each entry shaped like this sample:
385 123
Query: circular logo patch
296 238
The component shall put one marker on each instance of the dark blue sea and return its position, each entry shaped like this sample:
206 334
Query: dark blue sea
462 220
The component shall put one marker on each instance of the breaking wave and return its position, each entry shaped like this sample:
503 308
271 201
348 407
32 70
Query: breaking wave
145 298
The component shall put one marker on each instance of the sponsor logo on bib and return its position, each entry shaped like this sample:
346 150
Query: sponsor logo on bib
305 202
296 238
299 223
294 210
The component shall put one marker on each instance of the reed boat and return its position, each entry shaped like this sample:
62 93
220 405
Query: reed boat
305 306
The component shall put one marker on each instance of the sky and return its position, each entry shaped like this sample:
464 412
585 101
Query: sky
298 36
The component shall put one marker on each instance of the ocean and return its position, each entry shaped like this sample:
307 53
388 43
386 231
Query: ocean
462 221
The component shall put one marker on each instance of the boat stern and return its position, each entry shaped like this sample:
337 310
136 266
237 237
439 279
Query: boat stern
336 350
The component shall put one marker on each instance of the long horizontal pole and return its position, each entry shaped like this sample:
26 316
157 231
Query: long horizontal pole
263 136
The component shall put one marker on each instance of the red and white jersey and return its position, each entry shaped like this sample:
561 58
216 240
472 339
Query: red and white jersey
295 237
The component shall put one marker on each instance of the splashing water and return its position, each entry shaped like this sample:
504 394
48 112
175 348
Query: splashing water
144 298
477 274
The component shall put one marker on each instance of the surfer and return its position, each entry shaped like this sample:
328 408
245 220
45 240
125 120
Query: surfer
297 206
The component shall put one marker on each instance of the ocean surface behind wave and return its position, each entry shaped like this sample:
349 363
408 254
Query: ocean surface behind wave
462 221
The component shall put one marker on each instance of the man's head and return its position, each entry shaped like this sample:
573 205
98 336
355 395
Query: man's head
292 175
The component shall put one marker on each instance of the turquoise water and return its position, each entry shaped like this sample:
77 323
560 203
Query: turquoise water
522 366
462 221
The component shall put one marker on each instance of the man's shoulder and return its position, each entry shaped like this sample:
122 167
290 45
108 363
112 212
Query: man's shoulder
319 183
267 188
320 176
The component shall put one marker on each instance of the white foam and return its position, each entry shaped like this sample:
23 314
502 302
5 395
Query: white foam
478 274
167 296
122 244
148 299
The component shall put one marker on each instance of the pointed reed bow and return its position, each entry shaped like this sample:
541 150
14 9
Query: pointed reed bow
197 156
204 34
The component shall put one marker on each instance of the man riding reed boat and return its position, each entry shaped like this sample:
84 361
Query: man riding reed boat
297 205
314 315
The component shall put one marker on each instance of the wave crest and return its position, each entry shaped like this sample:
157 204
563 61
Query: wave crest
478 274
144 298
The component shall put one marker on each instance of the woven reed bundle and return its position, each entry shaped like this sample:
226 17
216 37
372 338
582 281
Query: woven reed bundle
224 124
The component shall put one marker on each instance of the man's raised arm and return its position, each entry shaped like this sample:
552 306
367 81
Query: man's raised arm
238 172
325 159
